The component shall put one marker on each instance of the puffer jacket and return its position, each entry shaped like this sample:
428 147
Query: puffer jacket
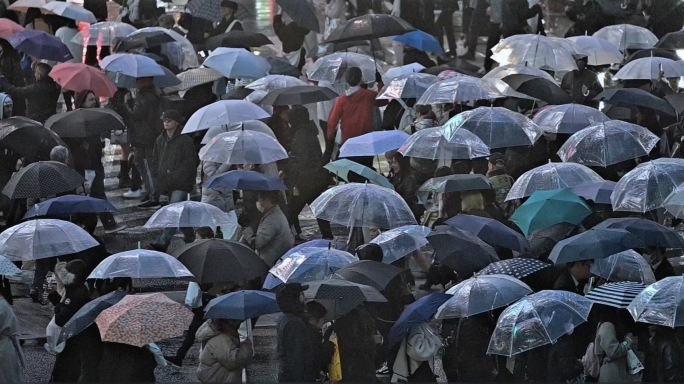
176 162
222 357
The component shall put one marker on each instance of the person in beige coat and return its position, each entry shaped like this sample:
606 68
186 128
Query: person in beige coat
222 355
613 353
273 236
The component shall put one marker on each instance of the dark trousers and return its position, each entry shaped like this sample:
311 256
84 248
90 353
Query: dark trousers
478 21
445 26
189 340
493 37
465 19
297 202
43 266
97 190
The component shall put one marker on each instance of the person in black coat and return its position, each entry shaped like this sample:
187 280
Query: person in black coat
663 359
514 16
41 97
10 68
472 362
292 36
574 277
562 365
123 363
658 262
228 21
357 338
296 353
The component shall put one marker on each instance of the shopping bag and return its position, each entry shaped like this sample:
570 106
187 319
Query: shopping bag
633 363
335 366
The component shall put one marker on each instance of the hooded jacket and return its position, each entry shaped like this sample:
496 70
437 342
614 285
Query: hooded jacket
176 162
354 113
222 357
3 97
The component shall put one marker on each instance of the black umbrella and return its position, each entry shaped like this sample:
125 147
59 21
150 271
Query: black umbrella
652 52
672 40
650 232
42 179
630 97
538 88
373 273
456 183
518 267
677 101
299 95
237 39
85 122
85 316
280 66
368 27
339 296
543 240
218 260
145 39
460 250
238 93
302 13
28 138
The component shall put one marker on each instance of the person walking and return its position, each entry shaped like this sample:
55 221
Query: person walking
222 355
273 236
296 352
9 364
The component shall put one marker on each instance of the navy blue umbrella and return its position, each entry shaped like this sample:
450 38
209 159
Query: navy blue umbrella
650 232
242 305
41 45
461 250
491 231
596 191
246 180
416 313
85 316
68 205
594 244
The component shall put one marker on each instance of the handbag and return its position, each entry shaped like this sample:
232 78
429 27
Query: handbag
633 364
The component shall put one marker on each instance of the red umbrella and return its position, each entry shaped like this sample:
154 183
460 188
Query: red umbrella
8 28
79 77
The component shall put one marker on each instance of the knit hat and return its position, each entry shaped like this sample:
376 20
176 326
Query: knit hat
173 115
74 272
354 76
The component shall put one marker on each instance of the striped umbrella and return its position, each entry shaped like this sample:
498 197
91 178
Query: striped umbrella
618 295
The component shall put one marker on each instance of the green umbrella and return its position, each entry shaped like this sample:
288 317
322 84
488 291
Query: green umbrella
342 167
546 208
454 183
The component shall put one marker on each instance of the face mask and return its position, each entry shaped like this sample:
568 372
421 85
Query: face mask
259 207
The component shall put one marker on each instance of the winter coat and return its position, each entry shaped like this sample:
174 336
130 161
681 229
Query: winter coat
222 356
80 358
562 364
473 339
145 113
574 81
357 349
9 364
221 198
176 162
41 98
663 360
296 352
515 14
614 367
123 363
407 187
354 113
273 236
222 27
291 35
305 164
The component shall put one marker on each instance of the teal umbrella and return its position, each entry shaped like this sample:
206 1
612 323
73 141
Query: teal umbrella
546 208
342 167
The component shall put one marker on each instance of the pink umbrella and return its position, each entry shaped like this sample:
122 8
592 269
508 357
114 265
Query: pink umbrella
79 77
9 28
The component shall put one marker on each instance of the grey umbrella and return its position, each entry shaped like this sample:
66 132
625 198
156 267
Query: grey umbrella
42 179
43 238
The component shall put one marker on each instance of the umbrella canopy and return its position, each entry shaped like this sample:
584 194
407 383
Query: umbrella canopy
536 51
237 39
368 27
121 80
593 244
372 273
245 180
242 305
24 5
631 97
546 208
551 176
341 296
617 295
85 122
85 317
273 82
599 51
645 187
460 89
205 9
400 242
518 267
672 40
342 167
189 214
280 66
132 65
7 268
298 95
70 204
650 52
627 36
302 14
538 88
543 240
310 264
677 101
373 143
179 50
650 232
218 260
363 205
9 28
224 112
333 67
661 303
194 77
608 143
103 33
407 86
43 238
650 68
69 11
407 69
418 312
421 41
517 69
453 183
40 45
79 77
28 137
240 147
237 63
42 179
248 125
430 143
461 250
481 294
140 264
491 231
537 320
144 39
142 319
497 127
674 203
568 118
624 266
597 191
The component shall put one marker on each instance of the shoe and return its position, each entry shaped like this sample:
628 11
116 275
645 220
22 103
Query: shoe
132 194
383 370
116 228
150 204
156 247
35 296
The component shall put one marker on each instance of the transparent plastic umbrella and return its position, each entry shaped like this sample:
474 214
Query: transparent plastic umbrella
627 265
310 264
131 64
103 33
627 36
399 242
7 268
224 112
189 214
460 89
237 63
650 68
568 118
240 147
332 67
517 69
430 143
674 203
551 176
608 143
536 51
273 82
537 320
373 143
408 86
194 77
645 187
497 127
248 125
481 294
599 51
43 238
140 264
363 205
180 52
403 70
661 303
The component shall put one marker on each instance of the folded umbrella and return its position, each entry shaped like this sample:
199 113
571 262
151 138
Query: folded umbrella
650 232
80 77
373 143
491 231
218 260
599 51
237 39
68 205
342 167
69 11
661 303
593 244
430 143
245 180
627 36
518 267
140 264
517 69
40 45
645 187
460 250
44 238
421 41
372 273
407 86
8 268
240 147
631 97
539 88
85 122
28 137
400 242
9 28
302 13
237 63
418 312
624 266
194 77
341 296
242 305
189 214
597 191
223 112
42 179
551 176
85 317
497 127
568 118
298 95
368 27
650 68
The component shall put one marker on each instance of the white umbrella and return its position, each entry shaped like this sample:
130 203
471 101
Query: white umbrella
249 125
224 112
240 147
650 68
43 238
237 63
599 51
103 33
194 77
189 214
517 69
404 70
627 36
180 52
537 51
273 82
333 67
373 143
140 264
69 11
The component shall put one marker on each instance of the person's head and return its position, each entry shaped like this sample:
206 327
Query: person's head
72 273
7 105
204 233
282 112
228 9
166 21
354 76
86 99
443 171
581 61
315 313
580 269
423 110
290 297
389 155
471 200
41 71
172 120
673 82
59 153
461 167
369 251
497 161
144 82
298 115
401 165
267 200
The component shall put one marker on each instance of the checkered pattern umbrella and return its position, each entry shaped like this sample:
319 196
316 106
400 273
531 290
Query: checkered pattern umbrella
205 9
518 267
42 179
618 295
7 268
194 77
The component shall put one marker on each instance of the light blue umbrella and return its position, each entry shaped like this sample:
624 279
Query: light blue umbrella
168 79
7 268
237 63
399 242
309 264
342 167
421 41
373 143
132 65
